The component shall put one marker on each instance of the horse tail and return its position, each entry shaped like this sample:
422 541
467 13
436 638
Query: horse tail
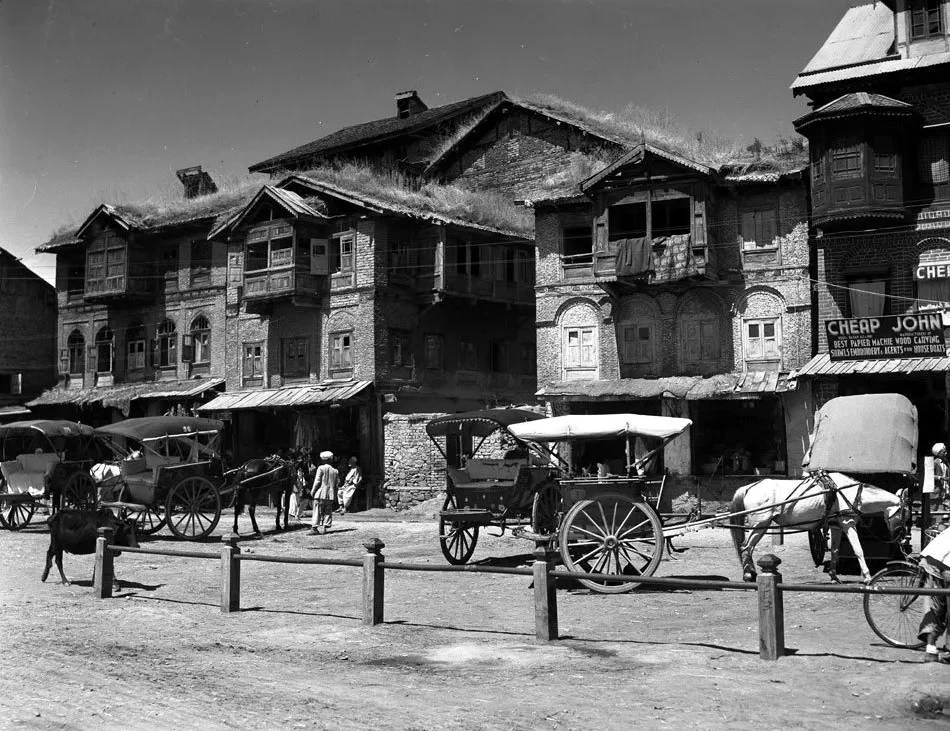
737 522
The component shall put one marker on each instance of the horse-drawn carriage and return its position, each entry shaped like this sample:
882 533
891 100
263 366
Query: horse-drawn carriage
166 471
602 524
44 460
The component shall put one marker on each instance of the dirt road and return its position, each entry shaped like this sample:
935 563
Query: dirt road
457 650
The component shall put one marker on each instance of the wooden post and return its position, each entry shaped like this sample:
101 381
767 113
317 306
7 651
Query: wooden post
373 582
771 611
545 594
230 576
104 573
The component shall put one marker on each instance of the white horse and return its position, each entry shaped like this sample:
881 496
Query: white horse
805 504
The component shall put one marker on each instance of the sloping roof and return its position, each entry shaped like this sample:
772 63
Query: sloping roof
423 204
870 69
290 397
637 155
286 198
379 130
822 365
853 103
693 388
120 396
864 34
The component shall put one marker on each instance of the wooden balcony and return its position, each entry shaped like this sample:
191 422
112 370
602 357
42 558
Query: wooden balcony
493 290
117 288
284 282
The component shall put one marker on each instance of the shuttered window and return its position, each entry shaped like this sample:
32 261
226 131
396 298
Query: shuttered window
867 297
762 340
758 229
638 342
702 341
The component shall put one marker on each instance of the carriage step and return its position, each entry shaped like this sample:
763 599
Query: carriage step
531 536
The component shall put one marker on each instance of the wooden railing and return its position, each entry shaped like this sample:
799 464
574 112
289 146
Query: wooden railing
768 585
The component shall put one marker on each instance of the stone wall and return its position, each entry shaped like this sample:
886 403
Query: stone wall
413 467
27 326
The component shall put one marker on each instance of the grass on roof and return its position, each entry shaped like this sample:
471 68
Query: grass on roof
485 208
633 125
169 206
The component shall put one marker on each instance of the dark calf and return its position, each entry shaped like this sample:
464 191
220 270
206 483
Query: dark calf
76 531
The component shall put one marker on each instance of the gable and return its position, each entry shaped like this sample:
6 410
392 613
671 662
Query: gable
645 165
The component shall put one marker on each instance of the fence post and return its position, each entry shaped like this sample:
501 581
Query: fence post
545 593
373 582
230 576
104 573
771 611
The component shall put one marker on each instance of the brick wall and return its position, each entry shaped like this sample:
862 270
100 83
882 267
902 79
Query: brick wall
27 326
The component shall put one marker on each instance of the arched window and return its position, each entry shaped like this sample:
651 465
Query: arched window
135 348
167 345
105 350
201 339
76 353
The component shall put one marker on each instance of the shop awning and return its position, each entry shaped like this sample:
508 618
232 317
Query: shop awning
822 365
294 396
752 384
119 396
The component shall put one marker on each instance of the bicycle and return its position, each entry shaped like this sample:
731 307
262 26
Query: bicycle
895 618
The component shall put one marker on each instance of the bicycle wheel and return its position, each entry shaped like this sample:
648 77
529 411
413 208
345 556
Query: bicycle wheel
895 618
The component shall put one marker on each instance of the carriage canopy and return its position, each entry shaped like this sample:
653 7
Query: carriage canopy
46 427
479 423
600 426
870 433
148 428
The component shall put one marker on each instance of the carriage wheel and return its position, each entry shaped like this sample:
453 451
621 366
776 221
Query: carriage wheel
148 521
15 515
193 508
612 534
456 539
818 545
546 509
895 618
79 493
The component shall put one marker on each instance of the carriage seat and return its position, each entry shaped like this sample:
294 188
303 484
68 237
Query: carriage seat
28 472
482 472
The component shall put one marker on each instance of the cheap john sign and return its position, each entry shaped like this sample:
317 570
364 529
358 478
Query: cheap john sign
888 336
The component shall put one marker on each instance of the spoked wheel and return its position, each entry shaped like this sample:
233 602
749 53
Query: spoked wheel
193 508
818 545
79 492
546 509
895 618
612 534
457 540
148 521
16 514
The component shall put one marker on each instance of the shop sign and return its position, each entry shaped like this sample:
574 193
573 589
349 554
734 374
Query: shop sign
932 270
888 336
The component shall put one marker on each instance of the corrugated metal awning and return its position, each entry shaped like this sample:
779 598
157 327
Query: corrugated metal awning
722 386
822 365
275 398
121 394
183 388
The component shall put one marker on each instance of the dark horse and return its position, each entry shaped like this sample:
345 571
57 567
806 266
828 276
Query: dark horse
273 475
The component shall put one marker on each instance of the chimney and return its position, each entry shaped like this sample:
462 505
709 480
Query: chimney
196 182
409 103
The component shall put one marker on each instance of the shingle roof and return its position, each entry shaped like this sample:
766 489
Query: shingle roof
379 130
854 102
864 34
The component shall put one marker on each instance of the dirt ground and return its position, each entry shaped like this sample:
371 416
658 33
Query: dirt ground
457 651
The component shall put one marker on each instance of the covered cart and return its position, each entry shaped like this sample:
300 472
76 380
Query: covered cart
44 460
166 471
601 524
608 524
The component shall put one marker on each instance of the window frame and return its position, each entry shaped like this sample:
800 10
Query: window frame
200 274
468 355
200 340
166 348
845 150
638 359
400 349
756 213
136 347
341 358
853 284
76 353
590 365
923 13
256 360
747 339
438 340
582 260
708 330
298 364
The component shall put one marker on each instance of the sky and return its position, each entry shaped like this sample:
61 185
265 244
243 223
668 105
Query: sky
102 100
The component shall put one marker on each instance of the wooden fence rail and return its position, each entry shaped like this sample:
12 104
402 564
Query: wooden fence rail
768 585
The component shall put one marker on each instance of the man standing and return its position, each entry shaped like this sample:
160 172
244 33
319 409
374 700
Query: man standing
935 561
324 494
354 478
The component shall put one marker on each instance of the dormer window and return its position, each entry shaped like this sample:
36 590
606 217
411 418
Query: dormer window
925 18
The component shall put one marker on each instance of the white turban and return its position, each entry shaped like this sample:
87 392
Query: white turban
939 450
326 456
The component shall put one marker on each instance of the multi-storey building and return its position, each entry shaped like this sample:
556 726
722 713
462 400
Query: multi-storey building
676 287
879 133
357 309
28 334
141 307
